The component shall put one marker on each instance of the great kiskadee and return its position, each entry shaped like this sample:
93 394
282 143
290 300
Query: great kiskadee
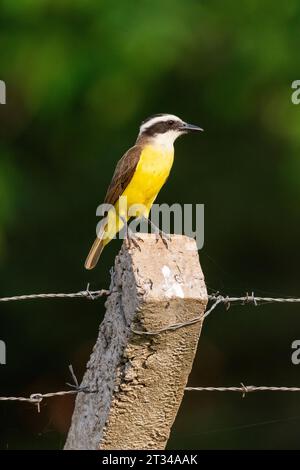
139 176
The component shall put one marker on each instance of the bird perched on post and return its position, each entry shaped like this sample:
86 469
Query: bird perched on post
139 176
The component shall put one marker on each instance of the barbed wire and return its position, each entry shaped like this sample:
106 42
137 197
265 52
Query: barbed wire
244 389
87 293
251 299
95 294
216 298
176 326
37 398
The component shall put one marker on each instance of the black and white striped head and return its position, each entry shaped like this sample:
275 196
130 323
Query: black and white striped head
165 128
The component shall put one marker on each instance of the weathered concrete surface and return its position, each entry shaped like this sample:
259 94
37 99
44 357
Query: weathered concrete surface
140 380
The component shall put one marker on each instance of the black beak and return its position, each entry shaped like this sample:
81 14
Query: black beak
190 128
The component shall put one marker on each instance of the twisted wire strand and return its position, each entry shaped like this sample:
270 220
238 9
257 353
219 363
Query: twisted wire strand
243 389
88 294
37 398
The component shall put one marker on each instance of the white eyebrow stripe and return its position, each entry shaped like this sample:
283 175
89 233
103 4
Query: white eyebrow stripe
157 119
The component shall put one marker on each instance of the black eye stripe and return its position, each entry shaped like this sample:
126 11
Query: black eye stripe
161 127
157 128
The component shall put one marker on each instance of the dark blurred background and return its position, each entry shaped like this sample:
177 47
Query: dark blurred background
80 77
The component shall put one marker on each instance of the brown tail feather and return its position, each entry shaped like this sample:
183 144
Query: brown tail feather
94 254
97 247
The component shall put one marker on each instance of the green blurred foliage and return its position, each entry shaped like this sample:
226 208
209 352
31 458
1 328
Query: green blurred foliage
80 77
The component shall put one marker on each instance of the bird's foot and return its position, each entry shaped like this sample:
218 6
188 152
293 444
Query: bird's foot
164 237
159 234
133 239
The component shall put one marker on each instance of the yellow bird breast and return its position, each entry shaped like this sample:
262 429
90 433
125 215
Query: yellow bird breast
151 173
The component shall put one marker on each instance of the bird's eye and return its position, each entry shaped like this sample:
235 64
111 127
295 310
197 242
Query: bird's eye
171 123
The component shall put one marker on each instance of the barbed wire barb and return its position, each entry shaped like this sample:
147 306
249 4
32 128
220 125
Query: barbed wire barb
218 299
37 398
244 389
255 300
87 293
93 295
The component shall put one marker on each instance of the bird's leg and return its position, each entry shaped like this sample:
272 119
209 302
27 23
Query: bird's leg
160 234
131 237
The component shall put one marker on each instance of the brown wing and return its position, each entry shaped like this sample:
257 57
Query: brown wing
123 174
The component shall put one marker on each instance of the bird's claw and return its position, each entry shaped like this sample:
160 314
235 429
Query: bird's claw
164 237
133 239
